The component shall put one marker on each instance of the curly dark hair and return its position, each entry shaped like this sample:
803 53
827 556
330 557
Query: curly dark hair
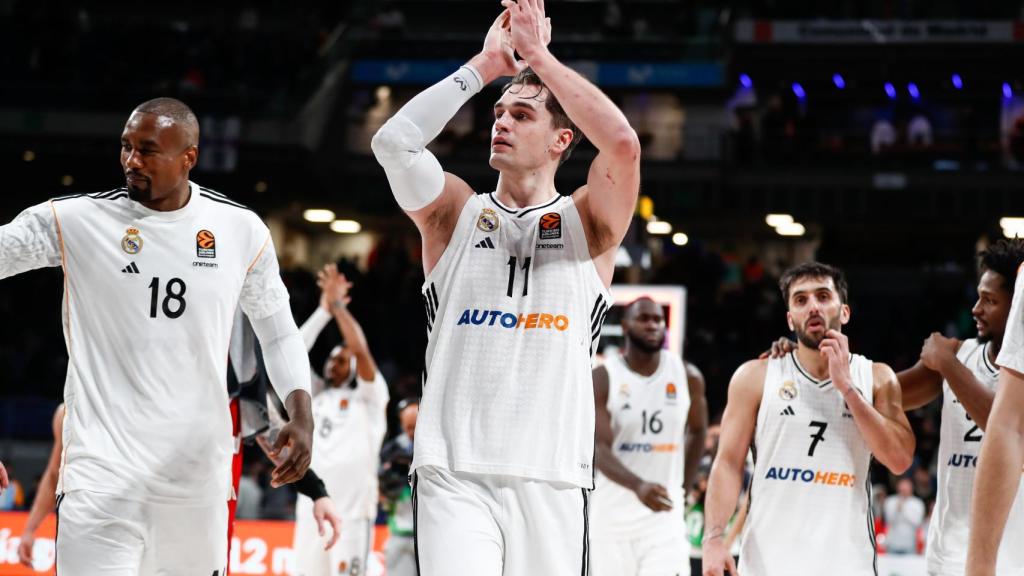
814 270
559 119
1004 257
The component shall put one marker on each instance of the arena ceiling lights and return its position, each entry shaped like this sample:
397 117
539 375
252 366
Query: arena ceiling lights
319 215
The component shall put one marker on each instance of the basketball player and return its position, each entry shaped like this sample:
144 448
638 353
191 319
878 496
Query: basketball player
45 500
351 422
516 289
1002 455
965 375
815 418
153 273
644 418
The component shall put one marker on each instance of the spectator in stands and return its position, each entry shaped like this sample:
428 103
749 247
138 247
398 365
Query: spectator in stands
904 516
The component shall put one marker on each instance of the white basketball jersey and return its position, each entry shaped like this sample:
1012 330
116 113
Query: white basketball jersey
514 311
149 301
959 447
350 427
810 510
649 422
1011 355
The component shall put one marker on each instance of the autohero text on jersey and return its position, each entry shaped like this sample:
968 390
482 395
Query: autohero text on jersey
529 321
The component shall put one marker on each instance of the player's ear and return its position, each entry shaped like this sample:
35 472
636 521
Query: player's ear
191 157
844 314
563 139
789 321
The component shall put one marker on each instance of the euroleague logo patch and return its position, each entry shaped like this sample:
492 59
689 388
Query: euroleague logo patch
670 391
550 226
206 244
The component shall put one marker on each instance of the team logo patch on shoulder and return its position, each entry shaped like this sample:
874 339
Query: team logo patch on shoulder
488 220
788 390
206 244
670 391
550 226
132 241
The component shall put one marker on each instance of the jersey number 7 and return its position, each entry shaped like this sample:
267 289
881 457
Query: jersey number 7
817 436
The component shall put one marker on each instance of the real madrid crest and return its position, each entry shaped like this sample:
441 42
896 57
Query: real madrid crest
788 390
132 242
488 220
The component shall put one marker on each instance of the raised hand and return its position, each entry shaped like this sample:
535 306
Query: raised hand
531 29
498 48
836 348
938 350
334 287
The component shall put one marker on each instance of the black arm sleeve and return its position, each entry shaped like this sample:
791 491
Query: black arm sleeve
311 485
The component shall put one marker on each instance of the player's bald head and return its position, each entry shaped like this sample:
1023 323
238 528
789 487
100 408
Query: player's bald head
643 304
173 112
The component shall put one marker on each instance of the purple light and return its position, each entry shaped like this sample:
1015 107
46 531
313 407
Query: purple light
890 90
745 81
958 82
1007 90
838 80
799 91
913 91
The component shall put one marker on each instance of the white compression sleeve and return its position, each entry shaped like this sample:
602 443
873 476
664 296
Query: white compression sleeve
284 353
415 176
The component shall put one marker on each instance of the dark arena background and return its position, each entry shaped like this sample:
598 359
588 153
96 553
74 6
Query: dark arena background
882 136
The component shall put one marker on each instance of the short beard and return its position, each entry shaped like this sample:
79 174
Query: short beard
984 339
641 344
812 343
140 194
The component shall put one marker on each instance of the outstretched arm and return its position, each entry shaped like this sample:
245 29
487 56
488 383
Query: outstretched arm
431 197
335 289
30 241
608 198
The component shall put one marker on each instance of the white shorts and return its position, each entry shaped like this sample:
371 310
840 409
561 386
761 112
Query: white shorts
105 535
347 557
491 525
659 548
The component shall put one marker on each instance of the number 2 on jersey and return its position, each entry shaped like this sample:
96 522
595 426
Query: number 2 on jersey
512 274
175 293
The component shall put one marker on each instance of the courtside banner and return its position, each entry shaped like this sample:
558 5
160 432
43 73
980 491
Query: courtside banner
261 547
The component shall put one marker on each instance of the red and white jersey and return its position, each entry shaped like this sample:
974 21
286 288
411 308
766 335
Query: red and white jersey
148 305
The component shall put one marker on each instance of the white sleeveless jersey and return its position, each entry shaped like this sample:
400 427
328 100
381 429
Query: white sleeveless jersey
350 427
810 510
649 422
149 301
959 447
514 312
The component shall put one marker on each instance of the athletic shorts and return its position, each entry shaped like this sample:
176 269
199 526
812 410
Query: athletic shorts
348 556
494 525
659 548
104 535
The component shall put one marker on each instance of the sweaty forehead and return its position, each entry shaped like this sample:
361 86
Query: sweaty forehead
155 127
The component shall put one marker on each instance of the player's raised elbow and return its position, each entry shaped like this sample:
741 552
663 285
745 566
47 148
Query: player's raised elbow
626 144
397 142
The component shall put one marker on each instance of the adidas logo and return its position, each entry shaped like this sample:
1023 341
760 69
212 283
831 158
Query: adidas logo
485 243
130 269
626 406
788 412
